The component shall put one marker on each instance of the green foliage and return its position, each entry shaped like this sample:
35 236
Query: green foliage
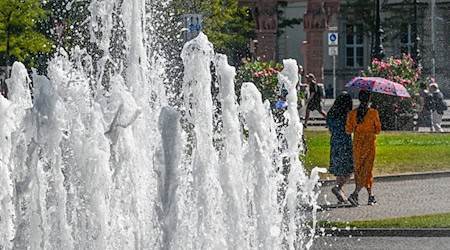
318 154
70 14
262 74
423 221
397 152
282 21
360 13
227 26
396 112
406 7
18 35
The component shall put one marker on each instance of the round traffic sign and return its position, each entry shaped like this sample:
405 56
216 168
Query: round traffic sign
333 37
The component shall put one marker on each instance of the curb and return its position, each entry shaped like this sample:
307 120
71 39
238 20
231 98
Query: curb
398 177
387 232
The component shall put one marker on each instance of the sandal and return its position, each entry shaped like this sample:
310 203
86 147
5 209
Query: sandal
353 199
339 194
372 200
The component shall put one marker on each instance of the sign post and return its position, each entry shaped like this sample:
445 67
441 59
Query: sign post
333 38
333 51
192 26
59 29
334 77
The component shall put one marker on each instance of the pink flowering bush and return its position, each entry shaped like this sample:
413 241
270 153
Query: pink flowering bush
396 113
262 74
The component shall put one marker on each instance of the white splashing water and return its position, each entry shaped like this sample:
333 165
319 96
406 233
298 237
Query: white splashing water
86 168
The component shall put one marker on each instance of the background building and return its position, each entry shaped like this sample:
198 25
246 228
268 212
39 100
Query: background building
354 48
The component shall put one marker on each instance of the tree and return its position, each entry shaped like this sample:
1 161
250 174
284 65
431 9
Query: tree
396 113
227 26
362 13
282 21
63 26
19 38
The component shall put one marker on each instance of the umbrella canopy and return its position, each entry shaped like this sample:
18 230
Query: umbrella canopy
379 85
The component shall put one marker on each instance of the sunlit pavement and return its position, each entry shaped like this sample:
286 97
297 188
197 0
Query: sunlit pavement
405 197
397 196
382 243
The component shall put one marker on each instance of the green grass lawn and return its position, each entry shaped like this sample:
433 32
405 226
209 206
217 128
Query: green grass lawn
397 152
425 221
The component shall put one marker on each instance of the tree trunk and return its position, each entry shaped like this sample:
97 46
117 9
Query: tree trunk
8 37
7 55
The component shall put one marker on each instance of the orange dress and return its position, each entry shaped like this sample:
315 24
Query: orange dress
364 144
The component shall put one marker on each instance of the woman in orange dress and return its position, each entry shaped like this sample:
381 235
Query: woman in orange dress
365 123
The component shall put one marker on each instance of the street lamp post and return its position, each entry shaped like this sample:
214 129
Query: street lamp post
379 50
433 51
416 50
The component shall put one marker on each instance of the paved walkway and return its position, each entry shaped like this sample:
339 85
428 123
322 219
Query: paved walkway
398 196
401 198
381 243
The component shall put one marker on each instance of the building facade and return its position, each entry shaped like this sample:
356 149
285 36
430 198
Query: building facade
354 49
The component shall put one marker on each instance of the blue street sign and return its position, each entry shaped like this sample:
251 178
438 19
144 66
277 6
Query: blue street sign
192 25
332 38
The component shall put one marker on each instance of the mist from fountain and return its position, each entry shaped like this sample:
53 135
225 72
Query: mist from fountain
84 166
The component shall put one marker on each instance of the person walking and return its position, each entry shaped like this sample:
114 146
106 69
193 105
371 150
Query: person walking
341 147
426 106
3 88
439 106
301 90
364 123
314 101
300 76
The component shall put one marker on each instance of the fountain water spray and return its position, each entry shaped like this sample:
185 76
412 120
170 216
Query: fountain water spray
84 166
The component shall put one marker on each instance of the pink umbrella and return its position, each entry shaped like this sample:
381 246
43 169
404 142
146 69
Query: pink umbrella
379 85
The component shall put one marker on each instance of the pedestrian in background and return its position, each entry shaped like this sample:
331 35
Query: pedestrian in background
341 147
425 110
300 76
364 123
3 88
314 101
302 90
439 106
329 92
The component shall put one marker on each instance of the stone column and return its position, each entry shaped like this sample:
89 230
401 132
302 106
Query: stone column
266 45
266 18
316 20
314 54
264 13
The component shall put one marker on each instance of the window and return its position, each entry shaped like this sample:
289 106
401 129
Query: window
406 39
354 46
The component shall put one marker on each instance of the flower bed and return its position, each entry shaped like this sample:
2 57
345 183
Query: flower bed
396 113
262 74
